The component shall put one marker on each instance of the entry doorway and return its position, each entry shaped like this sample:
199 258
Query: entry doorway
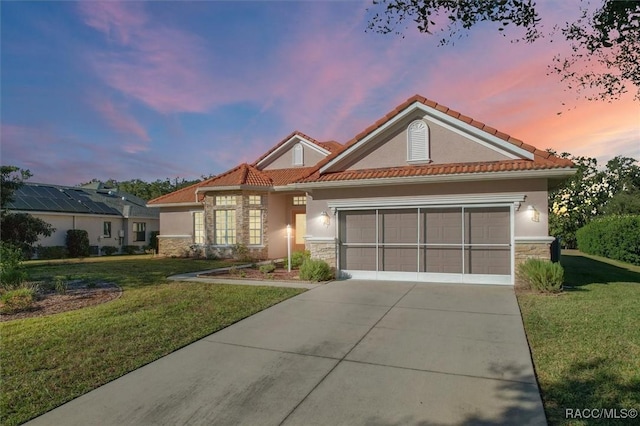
298 229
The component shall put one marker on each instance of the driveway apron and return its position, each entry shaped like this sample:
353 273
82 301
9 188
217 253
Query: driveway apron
345 353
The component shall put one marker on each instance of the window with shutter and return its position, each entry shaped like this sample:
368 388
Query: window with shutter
418 142
298 159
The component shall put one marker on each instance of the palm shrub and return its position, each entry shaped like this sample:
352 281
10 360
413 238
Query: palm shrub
615 237
542 275
315 270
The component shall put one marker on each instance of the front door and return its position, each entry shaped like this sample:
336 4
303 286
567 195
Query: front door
299 225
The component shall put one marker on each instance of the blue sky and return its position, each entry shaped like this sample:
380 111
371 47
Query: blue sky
156 90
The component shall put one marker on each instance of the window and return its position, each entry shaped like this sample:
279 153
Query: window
255 227
298 155
198 227
299 200
225 227
140 229
225 200
106 229
255 200
418 141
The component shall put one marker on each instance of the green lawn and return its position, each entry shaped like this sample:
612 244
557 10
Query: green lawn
585 342
50 360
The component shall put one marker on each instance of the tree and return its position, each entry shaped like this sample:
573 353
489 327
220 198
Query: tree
605 43
149 190
593 192
20 230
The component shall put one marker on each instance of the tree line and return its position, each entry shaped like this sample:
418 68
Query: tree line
148 190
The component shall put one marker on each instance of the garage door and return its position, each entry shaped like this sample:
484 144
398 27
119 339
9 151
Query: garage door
446 244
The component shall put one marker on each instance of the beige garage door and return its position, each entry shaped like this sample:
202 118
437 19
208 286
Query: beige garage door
452 243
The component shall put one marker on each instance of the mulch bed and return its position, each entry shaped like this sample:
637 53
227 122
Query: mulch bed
280 274
77 296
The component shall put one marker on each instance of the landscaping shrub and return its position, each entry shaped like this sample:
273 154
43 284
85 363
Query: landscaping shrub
12 273
153 241
78 243
130 249
297 259
61 285
315 270
109 250
241 253
615 237
17 300
52 252
542 275
268 268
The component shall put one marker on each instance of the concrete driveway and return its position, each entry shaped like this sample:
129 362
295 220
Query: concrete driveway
346 353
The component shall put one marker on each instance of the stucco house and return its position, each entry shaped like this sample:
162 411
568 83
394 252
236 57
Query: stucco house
425 193
110 217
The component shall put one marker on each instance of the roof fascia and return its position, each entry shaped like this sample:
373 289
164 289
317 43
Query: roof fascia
280 150
458 177
234 188
447 121
191 204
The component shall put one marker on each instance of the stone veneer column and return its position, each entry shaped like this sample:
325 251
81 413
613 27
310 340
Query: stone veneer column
324 249
526 248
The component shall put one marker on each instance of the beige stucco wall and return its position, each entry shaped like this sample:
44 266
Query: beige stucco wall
177 220
534 190
446 146
310 157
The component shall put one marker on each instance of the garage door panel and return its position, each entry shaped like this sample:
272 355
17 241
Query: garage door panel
441 226
487 225
358 227
403 259
399 226
358 258
445 260
487 260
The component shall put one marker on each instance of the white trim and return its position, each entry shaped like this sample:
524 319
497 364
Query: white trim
94 215
446 121
312 239
187 204
287 145
174 236
426 200
431 277
534 240
234 188
458 177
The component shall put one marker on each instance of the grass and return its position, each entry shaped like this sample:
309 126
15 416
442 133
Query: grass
49 360
585 342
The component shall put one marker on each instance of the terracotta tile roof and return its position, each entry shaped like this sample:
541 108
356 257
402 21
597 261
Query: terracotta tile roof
538 154
433 170
330 146
285 176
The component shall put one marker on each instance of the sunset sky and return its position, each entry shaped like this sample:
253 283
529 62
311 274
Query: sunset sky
184 89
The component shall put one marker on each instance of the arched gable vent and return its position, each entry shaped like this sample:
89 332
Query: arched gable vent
418 142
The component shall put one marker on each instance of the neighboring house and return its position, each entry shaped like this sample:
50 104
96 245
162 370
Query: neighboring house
110 217
425 193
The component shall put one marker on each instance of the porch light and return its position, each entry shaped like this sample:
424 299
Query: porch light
533 214
325 218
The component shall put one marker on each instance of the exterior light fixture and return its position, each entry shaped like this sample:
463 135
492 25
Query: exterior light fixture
533 214
325 218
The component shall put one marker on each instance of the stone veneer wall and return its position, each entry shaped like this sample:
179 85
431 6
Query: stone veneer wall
325 250
174 246
524 251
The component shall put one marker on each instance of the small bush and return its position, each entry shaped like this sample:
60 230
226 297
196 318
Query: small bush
297 259
315 270
12 273
61 285
268 268
241 253
130 249
78 243
109 250
17 300
52 252
615 237
542 275
153 241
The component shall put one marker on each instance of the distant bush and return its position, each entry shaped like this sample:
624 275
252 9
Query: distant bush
267 268
130 249
52 252
297 259
109 250
615 237
12 272
78 243
17 300
153 241
315 270
542 275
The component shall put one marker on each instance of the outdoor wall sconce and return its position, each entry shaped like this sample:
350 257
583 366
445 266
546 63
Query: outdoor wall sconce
325 218
533 214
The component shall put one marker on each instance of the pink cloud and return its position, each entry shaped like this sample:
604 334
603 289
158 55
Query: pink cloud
123 123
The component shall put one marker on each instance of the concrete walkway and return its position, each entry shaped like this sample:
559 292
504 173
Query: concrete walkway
345 353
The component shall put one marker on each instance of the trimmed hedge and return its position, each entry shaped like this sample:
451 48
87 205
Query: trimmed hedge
52 252
614 237
78 243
